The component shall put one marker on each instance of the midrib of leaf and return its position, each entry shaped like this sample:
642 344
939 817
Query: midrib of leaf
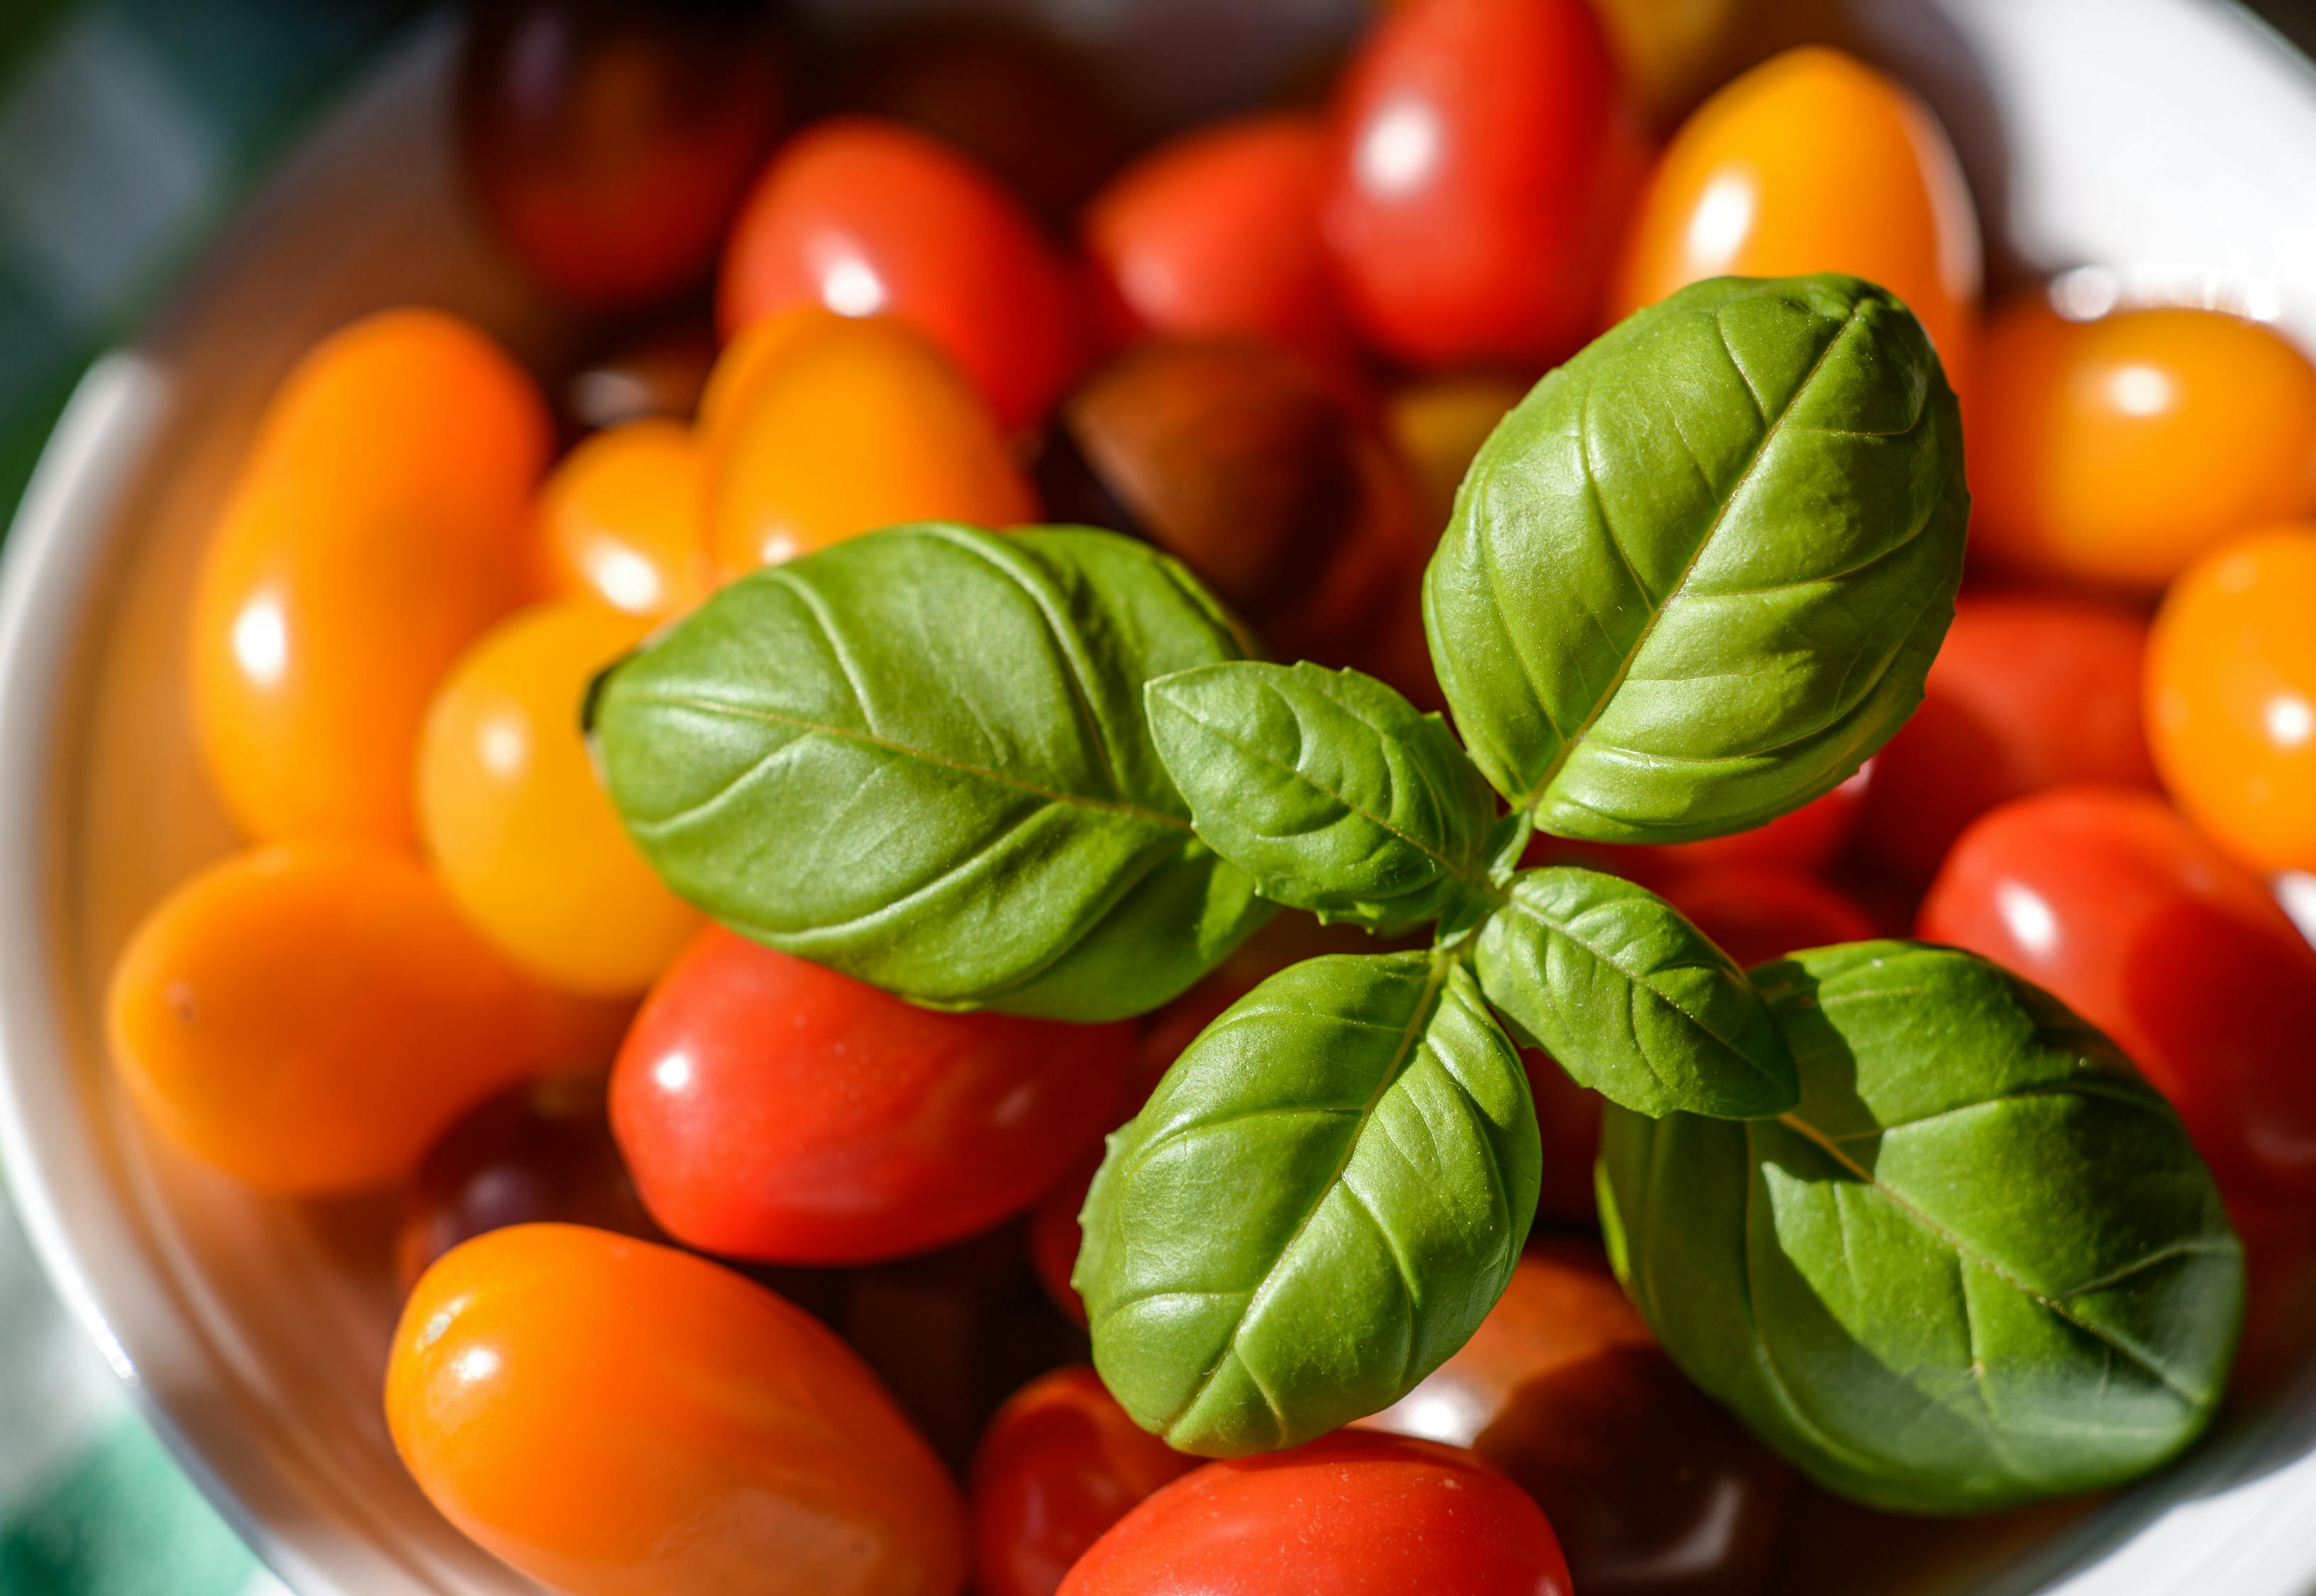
1770 435
1410 1038
1962 1249
1462 872
979 772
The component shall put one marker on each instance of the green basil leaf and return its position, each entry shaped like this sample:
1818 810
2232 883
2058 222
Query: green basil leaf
1327 787
1321 1202
1980 1264
1698 574
919 758
1631 999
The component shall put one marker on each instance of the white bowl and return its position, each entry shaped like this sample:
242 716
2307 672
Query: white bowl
2171 142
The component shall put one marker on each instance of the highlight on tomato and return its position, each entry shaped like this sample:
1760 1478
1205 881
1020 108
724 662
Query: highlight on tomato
772 1108
620 519
610 1416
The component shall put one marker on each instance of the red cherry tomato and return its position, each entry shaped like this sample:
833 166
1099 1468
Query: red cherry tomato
1652 1490
2030 690
1757 912
1061 1463
1216 235
870 218
1807 839
772 1108
612 141
1056 1237
2151 934
1484 157
1350 1514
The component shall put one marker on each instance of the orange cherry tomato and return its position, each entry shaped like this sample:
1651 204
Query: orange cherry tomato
311 1017
523 835
2116 451
620 521
845 426
1814 162
1652 1490
2231 696
868 217
376 527
1059 1464
614 1417
1216 235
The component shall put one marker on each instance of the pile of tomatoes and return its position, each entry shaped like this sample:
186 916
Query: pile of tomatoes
733 1316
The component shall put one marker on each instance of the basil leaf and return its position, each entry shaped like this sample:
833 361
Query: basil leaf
919 758
1980 1264
1698 574
1631 999
1321 1202
1327 787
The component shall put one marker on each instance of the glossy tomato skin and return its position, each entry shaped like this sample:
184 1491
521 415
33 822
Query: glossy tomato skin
772 1108
1757 912
1350 1514
613 1417
1814 162
611 141
620 519
1484 157
2231 696
1649 1486
868 217
2108 899
1216 235
1059 1464
377 526
310 1017
2029 691
2115 451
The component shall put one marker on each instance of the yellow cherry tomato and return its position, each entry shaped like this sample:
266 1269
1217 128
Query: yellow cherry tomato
753 350
2231 696
2116 451
378 525
516 821
310 1017
1438 426
620 521
1814 162
846 426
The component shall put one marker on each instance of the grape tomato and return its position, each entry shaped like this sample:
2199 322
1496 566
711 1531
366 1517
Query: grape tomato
868 217
610 1416
377 526
773 1109
621 520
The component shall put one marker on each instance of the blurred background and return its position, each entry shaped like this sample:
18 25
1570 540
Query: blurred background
129 130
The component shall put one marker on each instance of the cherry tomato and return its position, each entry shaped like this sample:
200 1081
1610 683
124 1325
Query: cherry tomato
1484 158
1054 1237
1438 426
1568 1123
2231 697
611 141
834 428
871 219
1805 839
1216 235
310 1017
612 1417
1060 1464
2030 690
1019 103
1650 1487
1755 913
1671 54
620 521
1238 459
524 835
1350 1514
2154 935
773 1109
2116 451
540 1152
1814 162
377 526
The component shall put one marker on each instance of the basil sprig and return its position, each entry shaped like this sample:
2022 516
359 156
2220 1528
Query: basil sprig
1922 1227
1978 1264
